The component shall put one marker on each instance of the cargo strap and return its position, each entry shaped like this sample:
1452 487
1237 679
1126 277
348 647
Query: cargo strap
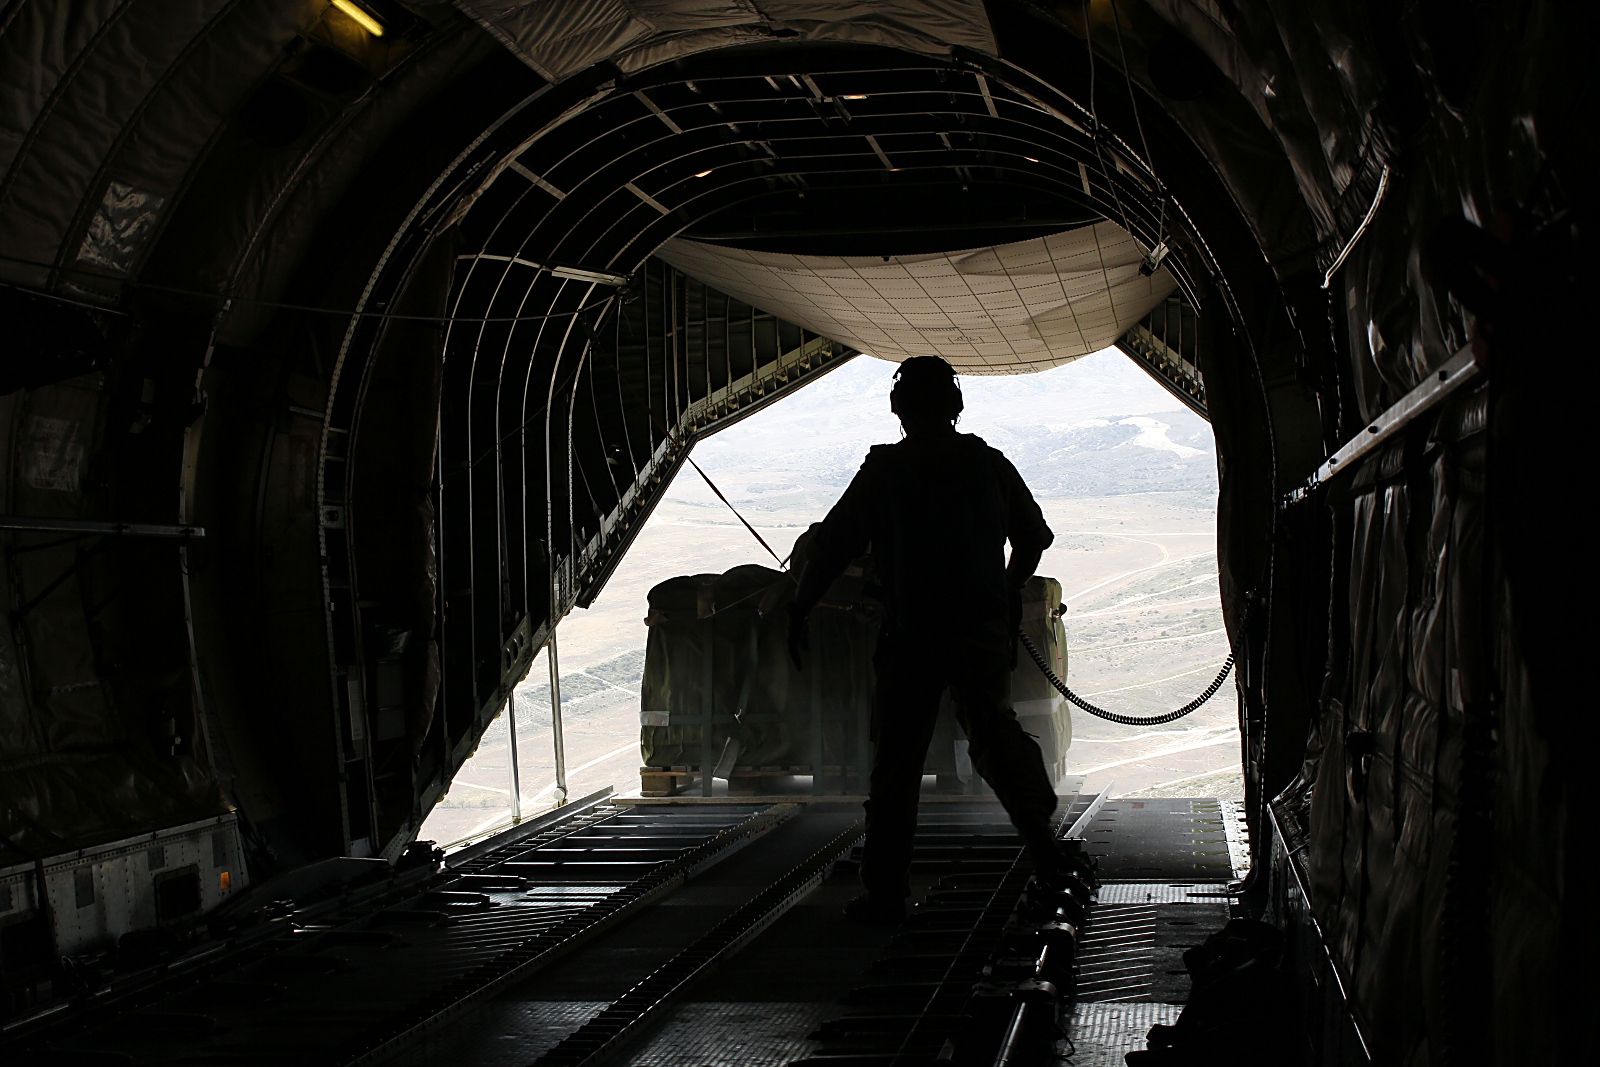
735 511
1127 720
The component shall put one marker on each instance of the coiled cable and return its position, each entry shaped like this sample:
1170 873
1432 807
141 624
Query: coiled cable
1127 720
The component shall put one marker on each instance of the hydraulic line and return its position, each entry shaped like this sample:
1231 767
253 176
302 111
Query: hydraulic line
1127 720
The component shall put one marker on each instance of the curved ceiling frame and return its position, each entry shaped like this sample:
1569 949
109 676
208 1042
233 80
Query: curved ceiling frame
1048 168
571 179
1118 193
513 259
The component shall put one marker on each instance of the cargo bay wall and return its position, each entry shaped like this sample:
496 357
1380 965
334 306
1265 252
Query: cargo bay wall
299 288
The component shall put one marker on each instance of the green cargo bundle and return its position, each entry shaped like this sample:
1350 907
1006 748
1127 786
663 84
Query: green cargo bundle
719 690
1039 708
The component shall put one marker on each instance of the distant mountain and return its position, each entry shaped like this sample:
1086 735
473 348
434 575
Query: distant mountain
1098 426
1169 452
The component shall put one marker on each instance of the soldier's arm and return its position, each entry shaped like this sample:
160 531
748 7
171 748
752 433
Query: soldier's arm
1026 528
842 537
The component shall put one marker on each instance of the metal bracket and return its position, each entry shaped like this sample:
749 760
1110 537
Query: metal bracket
1169 366
1080 825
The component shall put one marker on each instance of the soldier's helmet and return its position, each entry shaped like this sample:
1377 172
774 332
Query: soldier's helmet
925 387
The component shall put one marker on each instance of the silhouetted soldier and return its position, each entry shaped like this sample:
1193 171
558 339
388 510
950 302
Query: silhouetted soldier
936 511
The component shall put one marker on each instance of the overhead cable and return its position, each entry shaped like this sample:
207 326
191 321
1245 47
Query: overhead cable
1158 251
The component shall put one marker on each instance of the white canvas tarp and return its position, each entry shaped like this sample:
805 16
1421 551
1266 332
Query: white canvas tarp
1010 309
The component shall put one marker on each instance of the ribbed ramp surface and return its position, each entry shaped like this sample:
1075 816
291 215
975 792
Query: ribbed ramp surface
814 990
777 1000
681 935
339 982
1165 871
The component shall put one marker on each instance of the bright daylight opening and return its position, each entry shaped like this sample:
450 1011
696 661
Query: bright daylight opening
1127 478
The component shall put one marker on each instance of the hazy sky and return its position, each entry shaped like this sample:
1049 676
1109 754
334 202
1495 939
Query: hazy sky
1097 426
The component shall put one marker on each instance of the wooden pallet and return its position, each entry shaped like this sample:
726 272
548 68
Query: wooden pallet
742 781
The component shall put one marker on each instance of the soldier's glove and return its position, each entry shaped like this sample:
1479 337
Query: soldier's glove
799 635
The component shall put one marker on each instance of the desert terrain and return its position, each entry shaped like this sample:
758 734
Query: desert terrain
1126 478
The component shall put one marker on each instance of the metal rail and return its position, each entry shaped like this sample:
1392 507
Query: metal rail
1459 370
558 941
954 992
1080 825
104 529
476 851
1009 1054
625 1017
1302 890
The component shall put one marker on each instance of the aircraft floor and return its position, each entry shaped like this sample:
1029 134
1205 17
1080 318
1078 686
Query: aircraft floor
1165 889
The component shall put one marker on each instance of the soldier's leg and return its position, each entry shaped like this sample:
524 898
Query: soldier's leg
907 705
1007 758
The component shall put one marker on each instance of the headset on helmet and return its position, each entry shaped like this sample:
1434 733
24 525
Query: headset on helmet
926 385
